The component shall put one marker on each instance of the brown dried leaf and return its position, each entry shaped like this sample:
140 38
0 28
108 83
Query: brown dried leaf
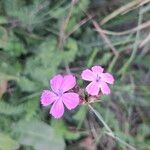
3 87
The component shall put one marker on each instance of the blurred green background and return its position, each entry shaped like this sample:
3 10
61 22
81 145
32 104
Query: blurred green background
41 38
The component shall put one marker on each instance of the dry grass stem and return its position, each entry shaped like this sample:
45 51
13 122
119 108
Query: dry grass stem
76 27
140 27
145 41
124 9
105 38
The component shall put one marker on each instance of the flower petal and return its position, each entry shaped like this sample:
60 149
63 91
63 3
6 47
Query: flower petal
57 109
87 75
97 69
56 83
69 81
104 88
93 88
107 77
47 97
71 100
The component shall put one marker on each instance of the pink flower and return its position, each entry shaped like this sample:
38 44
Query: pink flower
99 80
59 95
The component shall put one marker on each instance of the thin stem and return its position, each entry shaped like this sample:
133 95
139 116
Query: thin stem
110 132
101 119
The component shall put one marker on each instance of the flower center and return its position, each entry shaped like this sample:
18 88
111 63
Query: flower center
60 93
98 78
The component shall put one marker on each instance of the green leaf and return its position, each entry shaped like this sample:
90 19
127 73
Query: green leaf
71 50
39 135
7 143
8 109
30 16
3 20
11 43
45 62
27 85
81 114
61 129
105 59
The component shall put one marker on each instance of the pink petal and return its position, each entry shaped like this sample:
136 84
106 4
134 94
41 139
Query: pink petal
57 109
97 69
71 100
69 81
47 97
93 88
56 82
87 75
107 77
104 88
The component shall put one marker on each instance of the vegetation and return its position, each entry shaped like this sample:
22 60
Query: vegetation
41 38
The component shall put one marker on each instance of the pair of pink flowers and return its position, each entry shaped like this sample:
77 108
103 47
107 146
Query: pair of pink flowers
61 86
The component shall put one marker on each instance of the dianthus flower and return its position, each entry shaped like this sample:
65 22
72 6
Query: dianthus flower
99 80
59 96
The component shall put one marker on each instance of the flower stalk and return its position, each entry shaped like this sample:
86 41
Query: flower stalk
109 131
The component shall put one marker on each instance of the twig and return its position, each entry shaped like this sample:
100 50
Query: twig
124 9
144 2
147 39
64 25
82 22
105 38
140 27
62 32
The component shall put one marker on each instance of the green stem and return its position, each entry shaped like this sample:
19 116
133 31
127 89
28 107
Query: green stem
110 132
